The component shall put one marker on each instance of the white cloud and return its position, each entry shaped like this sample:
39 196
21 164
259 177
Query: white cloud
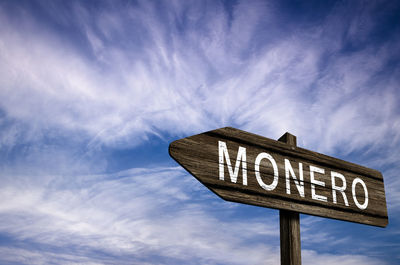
126 73
136 216
190 81
310 257
136 213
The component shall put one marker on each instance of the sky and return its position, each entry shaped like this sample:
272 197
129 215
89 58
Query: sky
93 92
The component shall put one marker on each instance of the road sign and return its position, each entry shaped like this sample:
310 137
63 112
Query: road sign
243 167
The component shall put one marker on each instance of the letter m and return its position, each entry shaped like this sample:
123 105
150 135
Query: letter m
241 157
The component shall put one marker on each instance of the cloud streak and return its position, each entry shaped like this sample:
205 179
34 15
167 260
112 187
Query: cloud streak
139 216
77 79
141 77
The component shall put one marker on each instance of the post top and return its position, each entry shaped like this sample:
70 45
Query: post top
289 139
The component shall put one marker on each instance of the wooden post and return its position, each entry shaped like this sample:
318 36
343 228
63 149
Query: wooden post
290 225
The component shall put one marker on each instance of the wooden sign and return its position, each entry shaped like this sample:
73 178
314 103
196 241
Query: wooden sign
243 167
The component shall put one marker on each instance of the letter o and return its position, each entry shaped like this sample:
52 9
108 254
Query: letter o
260 157
353 190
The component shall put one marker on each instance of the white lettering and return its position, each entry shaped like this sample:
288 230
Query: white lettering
314 182
241 156
337 188
289 171
260 157
338 180
353 190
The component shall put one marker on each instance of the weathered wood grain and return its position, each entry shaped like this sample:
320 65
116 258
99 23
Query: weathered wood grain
290 237
289 224
199 154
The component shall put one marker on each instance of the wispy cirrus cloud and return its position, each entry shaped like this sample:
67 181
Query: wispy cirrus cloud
190 69
138 216
77 78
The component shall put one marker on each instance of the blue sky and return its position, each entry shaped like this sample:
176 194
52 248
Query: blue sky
93 92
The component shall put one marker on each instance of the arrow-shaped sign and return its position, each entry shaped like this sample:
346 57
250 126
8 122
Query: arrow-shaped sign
243 167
